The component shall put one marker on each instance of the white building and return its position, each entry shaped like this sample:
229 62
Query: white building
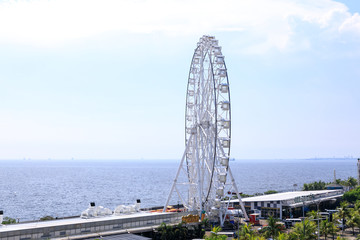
288 204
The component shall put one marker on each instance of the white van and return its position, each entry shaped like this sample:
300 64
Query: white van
290 222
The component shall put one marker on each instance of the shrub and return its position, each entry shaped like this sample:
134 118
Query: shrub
8 220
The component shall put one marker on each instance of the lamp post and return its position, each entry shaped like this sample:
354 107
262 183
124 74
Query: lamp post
303 208
303 221
317 205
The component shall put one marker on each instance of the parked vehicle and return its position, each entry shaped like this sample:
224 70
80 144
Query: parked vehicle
290 222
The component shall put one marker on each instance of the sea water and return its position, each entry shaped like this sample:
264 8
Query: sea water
32 189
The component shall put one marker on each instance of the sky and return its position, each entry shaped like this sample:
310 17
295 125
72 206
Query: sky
106 79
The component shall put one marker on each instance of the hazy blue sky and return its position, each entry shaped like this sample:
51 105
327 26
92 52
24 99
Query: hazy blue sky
107 79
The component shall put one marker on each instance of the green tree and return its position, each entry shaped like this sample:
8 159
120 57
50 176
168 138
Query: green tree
166 232
352 182
257 238
46 218
313 214
340 238
181 231
283 236
304 230
8 220
333 230
273 228
320 185
214 234
353 219
327 228
270 192
199 229
353 195
343 213
245 232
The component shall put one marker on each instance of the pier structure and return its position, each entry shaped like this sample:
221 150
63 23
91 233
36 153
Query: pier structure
80 228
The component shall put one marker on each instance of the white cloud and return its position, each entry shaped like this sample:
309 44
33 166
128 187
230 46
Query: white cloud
52 22
351 24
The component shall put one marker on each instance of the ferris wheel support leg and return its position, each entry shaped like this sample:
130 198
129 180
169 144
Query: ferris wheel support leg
199 178
177 175
238 195
222 219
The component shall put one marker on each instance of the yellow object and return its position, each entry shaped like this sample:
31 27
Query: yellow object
190 218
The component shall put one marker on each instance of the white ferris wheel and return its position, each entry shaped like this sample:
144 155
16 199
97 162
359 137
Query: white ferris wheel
208 179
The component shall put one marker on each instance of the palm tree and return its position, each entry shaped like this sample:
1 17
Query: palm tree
214 234
181 231
353 219
305 230
340 238
327 228
343 213
256 238
199 229
282 236
313 214
245 232
167 232
352 182
273 228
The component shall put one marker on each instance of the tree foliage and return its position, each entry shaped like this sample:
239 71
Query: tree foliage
327 228
181 231
270 192
47 218
320 185
353 195
351 182
245 232
273 229
214 234
8 220
305 230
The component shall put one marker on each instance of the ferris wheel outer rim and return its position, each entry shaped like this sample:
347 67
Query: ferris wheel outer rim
215 102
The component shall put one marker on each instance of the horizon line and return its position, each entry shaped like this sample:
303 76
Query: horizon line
169 159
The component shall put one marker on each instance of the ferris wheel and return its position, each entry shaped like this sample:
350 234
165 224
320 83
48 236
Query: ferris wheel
208 179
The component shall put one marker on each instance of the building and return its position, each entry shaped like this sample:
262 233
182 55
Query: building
98 227
290 204
334 186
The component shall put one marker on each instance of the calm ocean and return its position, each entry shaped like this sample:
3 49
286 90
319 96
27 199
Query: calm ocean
33 189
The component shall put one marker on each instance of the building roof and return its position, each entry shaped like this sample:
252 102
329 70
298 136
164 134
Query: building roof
284 196
76 220
334 185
